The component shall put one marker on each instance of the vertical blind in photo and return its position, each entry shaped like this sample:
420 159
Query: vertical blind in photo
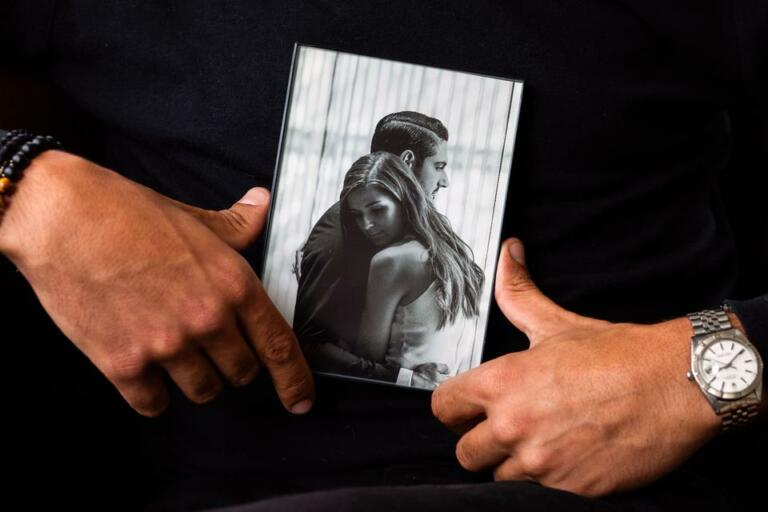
335 103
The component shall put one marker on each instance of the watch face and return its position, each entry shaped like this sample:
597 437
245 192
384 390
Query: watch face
728 368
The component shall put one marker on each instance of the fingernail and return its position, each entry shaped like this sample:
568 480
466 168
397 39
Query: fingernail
246 379
302 407
517 252
255 197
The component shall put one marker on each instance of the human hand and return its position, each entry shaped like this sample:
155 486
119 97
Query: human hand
143 284
429 375
592 407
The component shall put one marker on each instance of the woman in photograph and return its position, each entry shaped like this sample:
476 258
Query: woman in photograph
421 281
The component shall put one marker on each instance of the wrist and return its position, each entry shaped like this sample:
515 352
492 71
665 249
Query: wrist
693 405
735 322
35 197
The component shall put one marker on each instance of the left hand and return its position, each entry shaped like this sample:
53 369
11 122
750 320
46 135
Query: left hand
592 407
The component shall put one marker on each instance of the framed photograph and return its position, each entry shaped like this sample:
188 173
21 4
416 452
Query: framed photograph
385 226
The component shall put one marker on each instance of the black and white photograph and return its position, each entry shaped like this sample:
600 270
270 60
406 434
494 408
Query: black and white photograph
386 219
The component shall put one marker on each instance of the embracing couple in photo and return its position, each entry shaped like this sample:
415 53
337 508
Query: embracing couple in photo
385 284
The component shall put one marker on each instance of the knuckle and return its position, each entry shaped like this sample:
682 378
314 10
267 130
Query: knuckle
515 287
534 461
493 383
503 430
167 345
205 317
235 277
295 387
520 282
124 367
205 389
464 455
438 404
150 404
504 472
279 348
239 290
244 373
236 220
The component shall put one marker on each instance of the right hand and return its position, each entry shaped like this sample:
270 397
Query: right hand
429 375
143 284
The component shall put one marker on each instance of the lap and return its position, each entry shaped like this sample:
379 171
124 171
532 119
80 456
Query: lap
674 493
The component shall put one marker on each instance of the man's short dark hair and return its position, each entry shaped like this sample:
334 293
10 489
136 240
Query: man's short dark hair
409 130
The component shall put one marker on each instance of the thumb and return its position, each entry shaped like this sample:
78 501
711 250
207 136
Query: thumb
244 221
519 299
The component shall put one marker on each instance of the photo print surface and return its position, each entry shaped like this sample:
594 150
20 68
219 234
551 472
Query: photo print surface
386 218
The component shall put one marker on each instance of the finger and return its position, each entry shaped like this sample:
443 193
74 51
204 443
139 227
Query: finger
478 449
232 355
511 469
147 395
278 350
519 299
241 224
458 402
194 375
244 221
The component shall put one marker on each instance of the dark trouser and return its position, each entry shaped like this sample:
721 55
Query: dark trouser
679 491
673 494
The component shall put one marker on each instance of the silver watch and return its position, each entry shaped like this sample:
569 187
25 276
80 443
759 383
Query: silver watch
727 368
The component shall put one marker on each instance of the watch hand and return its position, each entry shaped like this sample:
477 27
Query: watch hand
733 359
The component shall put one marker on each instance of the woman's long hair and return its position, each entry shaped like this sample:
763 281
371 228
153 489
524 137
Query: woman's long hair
459 280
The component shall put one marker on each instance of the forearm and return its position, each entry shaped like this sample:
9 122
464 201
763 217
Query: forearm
330 357
34 197
373 337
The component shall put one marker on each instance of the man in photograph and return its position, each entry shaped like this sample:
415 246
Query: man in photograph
324 319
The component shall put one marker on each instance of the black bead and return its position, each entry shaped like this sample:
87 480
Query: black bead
23 147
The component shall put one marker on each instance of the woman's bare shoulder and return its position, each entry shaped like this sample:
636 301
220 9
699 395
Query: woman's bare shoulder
411 251
409 258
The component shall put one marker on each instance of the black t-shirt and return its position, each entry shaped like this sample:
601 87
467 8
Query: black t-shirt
629 122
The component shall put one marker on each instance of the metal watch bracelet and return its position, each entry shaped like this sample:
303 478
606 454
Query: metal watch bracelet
707 322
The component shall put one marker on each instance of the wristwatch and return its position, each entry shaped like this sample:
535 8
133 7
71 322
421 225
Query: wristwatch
727 368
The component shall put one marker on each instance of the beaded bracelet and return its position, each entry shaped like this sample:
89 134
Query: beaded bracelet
17 149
